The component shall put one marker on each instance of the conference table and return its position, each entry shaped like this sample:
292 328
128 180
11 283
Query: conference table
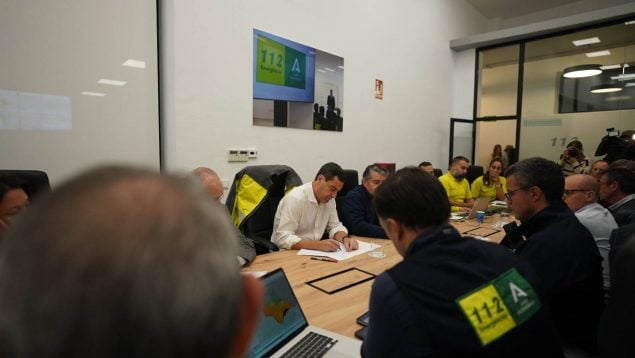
338 311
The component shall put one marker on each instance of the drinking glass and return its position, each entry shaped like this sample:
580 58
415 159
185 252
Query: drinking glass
377 251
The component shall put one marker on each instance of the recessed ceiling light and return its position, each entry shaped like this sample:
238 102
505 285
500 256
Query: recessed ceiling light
590 40
105 81
632 22
629 84
624 77
598 53
134 63
96 94
319 70
329 69
617 98
610 67
606 88
581 71
342 67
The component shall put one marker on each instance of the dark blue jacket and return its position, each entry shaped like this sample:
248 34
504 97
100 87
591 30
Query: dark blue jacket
358 214
564 255
414 310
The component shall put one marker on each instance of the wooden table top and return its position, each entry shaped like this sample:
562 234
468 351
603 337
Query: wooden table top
338 311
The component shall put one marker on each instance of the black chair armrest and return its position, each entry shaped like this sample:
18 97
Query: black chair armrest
263 246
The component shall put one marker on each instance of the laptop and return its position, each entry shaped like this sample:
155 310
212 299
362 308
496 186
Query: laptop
283 325
480 204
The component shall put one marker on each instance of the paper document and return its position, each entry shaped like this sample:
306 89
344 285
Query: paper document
341 254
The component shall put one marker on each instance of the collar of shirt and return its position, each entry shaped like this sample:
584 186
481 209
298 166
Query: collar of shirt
622 202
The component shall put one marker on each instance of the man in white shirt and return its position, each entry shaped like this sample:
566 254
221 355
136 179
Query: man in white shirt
581 195
308 211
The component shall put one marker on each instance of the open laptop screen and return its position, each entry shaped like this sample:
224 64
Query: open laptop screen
281 317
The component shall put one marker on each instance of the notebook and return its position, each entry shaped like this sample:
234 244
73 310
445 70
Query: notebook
283 324
480 204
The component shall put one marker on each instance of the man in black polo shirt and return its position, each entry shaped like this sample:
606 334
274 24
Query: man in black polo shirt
451 296
560 249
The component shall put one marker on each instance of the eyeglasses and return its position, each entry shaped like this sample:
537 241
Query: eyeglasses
568 192
508 194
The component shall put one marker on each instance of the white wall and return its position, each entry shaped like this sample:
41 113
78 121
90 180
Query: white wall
51 52
207 80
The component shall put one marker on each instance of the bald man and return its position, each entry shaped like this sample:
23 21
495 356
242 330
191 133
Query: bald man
214 187
581 194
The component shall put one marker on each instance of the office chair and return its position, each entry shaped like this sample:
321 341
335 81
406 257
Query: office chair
351 180
36 181
253 200
473 172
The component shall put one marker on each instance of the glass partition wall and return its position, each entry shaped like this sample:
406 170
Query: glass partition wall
532 85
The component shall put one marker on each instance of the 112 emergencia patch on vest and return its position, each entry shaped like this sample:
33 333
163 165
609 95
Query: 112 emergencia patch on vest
496 307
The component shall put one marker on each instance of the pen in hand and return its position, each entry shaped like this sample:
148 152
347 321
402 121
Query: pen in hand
324 259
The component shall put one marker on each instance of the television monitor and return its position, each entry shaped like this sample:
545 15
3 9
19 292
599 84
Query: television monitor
284 70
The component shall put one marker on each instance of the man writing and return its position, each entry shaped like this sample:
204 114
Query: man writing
308 211
123 262
456 186
358 213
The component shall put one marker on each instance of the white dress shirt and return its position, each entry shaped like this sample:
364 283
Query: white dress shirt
301 217
600 223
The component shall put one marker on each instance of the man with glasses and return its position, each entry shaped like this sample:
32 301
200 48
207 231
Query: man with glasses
560 249
214 187
581 196
358 214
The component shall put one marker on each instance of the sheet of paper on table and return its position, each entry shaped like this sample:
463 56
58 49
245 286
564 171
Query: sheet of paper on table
341 254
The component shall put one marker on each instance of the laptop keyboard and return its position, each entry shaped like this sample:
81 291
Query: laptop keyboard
311 345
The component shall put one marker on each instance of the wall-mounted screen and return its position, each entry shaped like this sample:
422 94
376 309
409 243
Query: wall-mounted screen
283 69
296 86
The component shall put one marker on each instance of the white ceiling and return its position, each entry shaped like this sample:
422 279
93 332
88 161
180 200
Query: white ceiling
506 9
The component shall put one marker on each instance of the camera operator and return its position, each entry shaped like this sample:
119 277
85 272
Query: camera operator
572 160
615 146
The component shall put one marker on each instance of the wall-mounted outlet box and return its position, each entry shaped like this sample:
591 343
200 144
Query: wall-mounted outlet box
252 153
237 155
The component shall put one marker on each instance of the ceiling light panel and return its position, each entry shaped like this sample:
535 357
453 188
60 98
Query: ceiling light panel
105 81
134 63
589 41
598 53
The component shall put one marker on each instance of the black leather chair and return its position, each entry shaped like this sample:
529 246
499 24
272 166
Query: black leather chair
257 225
473 172
351 180
36 181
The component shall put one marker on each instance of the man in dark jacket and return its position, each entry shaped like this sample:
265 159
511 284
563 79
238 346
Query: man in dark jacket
358 214
451 296
560 249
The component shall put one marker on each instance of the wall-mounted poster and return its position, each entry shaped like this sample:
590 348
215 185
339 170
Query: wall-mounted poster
296 86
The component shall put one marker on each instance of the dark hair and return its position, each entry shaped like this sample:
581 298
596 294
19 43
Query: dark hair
413 198
331 170
486 175
424 164
623 163
459 158
623 176
375 168
10 182
539 172
120 262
